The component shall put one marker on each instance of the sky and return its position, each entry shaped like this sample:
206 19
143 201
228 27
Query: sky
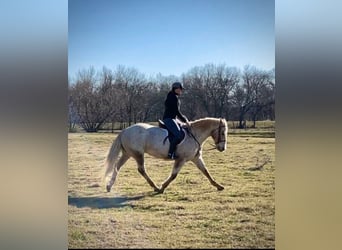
170 36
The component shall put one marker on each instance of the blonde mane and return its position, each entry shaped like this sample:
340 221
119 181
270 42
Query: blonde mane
204 123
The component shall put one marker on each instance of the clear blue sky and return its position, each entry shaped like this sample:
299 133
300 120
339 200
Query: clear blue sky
170 36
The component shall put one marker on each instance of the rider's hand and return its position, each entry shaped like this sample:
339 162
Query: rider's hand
188 124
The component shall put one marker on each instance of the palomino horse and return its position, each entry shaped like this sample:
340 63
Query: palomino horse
142 138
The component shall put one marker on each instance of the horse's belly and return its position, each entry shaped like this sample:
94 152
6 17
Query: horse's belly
155 145
157 149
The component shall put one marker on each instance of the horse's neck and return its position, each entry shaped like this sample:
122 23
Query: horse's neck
203 129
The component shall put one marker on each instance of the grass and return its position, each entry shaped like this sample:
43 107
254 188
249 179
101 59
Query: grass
190 214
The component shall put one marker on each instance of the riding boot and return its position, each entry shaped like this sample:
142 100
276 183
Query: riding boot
172 149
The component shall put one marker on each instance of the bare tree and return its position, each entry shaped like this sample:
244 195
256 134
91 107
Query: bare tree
126 96
195 101
262 92
243 98
92 101
72 109
211 88
254 94
132 84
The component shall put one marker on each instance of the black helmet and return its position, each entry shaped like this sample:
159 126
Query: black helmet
177 85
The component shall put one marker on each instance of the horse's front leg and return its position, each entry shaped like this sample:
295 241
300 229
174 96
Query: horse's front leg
175 170
200 164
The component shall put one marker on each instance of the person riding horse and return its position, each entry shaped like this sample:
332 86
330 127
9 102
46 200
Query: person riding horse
172 110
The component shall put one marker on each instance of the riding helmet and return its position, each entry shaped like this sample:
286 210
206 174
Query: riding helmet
177 85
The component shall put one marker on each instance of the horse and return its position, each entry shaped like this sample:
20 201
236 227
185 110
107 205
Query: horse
142 138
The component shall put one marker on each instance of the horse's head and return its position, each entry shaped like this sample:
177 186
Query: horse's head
219 135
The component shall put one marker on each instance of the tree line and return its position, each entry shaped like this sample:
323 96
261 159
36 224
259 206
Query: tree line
126 96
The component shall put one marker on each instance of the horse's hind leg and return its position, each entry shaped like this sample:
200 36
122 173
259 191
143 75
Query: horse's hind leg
141 169
119 164
175 170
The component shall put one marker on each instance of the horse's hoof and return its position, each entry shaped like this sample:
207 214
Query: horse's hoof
108 188
220 188
160 191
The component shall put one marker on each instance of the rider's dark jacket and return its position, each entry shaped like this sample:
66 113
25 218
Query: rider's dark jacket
172 105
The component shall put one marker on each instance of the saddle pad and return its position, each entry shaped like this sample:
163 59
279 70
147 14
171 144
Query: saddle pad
169 135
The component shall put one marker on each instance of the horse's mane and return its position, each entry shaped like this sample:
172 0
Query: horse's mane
207 121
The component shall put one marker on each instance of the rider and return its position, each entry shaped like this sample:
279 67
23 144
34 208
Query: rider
172 111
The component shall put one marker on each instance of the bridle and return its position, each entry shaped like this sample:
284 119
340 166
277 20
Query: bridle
221 137
219 133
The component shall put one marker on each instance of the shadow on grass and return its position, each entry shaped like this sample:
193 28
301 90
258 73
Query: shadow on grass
106 202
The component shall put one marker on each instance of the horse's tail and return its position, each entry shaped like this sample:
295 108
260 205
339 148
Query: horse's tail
113 155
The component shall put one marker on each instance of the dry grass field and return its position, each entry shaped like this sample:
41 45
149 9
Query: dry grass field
190 213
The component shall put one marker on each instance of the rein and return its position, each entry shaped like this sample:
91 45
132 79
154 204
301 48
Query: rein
216 142
192 135
213 147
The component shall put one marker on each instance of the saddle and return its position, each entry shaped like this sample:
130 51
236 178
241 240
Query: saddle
170 135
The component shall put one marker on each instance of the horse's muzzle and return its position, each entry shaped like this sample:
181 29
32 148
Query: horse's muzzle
220 148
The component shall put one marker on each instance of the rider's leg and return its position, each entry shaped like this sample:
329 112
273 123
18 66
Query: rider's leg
173 127
172 149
